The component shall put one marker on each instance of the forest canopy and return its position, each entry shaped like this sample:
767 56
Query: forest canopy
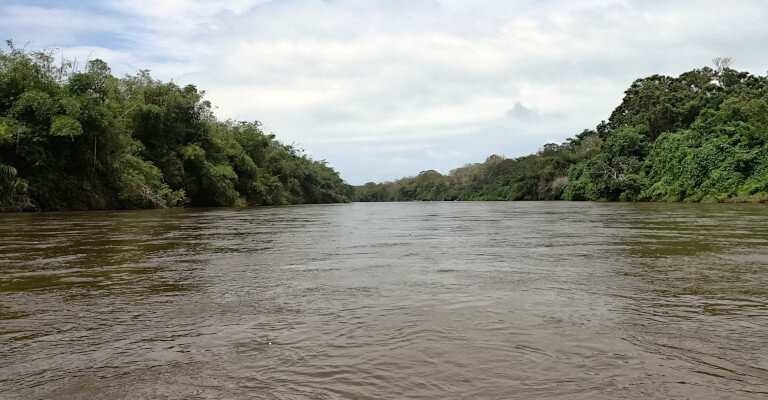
80 138
702 136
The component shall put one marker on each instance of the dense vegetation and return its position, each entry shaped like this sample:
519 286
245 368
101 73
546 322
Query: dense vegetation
702 136
84 139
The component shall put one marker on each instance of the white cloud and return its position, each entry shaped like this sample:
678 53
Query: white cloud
383 89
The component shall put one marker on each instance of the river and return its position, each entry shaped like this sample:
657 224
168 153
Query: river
499 300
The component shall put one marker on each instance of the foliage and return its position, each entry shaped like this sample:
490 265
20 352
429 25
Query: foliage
702 136
84 139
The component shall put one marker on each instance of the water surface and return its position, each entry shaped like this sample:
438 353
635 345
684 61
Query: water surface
550 300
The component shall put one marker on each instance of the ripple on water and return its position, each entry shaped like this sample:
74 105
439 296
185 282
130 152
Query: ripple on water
420 300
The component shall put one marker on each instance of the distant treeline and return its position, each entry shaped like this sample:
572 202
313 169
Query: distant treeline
83 139
73 139
702 136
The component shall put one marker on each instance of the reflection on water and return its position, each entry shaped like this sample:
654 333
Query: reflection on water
418 300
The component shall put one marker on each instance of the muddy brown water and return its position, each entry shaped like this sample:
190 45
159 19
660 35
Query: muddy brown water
499 300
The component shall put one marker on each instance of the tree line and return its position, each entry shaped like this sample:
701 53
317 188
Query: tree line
701 136
79 138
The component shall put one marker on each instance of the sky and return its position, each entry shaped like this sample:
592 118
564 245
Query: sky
387 89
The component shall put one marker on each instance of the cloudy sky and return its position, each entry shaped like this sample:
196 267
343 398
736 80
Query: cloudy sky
385 89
